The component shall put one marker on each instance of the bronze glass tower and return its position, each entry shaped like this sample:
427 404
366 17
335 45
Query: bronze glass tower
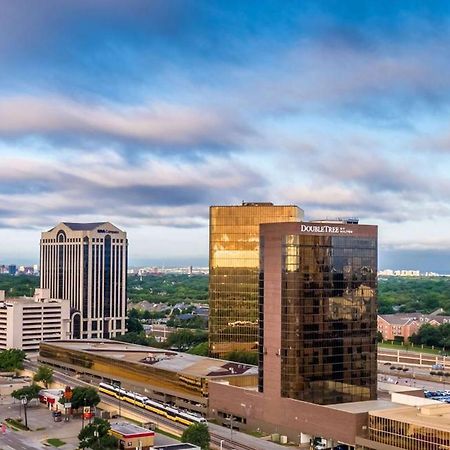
233 272
318 318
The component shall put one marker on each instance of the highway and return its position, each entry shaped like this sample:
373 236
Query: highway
234 440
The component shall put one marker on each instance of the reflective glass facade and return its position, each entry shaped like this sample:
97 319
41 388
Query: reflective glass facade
233 272
327 313
410 436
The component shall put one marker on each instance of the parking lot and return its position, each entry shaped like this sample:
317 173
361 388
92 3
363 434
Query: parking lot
43 427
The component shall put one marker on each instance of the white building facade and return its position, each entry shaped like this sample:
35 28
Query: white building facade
86 263
26 321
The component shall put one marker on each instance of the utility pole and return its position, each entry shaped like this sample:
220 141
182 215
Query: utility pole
231 427
118 385
82 415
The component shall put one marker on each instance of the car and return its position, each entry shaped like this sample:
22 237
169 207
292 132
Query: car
387 363
437 367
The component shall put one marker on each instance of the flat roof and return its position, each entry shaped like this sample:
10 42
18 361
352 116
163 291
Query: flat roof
129 429
364 406
436 417
172 361
176 447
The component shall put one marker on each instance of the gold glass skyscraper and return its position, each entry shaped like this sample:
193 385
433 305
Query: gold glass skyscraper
233 272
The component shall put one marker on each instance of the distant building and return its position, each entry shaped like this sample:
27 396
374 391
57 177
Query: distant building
86 263
400 273
12 269
25 321
401 326
233 272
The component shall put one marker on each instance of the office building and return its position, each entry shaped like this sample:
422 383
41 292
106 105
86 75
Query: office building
25 321
167 376
317 342
318 319
233 272
86 263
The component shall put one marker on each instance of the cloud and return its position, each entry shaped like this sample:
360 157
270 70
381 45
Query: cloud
154 125
106 186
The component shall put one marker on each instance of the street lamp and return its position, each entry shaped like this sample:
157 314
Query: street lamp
96 436
231 427
24 402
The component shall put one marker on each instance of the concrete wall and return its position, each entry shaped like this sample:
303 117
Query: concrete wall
285 416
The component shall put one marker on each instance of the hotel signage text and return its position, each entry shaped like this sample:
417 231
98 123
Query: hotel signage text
325 229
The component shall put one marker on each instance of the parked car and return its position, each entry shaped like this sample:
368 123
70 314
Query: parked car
437 367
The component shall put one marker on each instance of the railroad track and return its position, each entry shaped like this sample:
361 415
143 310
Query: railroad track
228 444
216 439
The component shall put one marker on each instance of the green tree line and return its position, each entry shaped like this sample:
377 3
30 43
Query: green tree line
424 294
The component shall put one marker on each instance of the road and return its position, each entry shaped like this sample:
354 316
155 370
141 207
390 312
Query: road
412 358
238 440
11 440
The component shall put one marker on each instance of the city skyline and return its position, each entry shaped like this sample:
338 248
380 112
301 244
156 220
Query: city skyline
146 114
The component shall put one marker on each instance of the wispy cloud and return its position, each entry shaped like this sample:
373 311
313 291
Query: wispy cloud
155 192
156 124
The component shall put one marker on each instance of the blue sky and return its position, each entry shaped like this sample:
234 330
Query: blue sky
147 112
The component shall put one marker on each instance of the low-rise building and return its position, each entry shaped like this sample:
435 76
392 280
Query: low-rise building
27 321
132 436
409 427
402 326
163 375
180 446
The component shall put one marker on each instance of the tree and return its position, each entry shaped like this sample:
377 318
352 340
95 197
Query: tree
243 356
428 335
379 336
134 325
185 339
44 374
96 436
138 338
82 396
197 434
11 359
29 392
200 349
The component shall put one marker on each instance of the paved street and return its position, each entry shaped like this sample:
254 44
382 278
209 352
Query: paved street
11 440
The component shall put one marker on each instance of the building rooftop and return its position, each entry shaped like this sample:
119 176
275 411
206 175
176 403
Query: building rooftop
83 226
406 318
176 447
127 429
431 416
172 361
365 406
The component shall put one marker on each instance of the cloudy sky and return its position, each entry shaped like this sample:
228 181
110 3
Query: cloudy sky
145 112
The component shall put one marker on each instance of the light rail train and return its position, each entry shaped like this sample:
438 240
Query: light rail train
167 411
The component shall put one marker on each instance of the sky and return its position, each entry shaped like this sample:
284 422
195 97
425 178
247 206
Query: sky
145 112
